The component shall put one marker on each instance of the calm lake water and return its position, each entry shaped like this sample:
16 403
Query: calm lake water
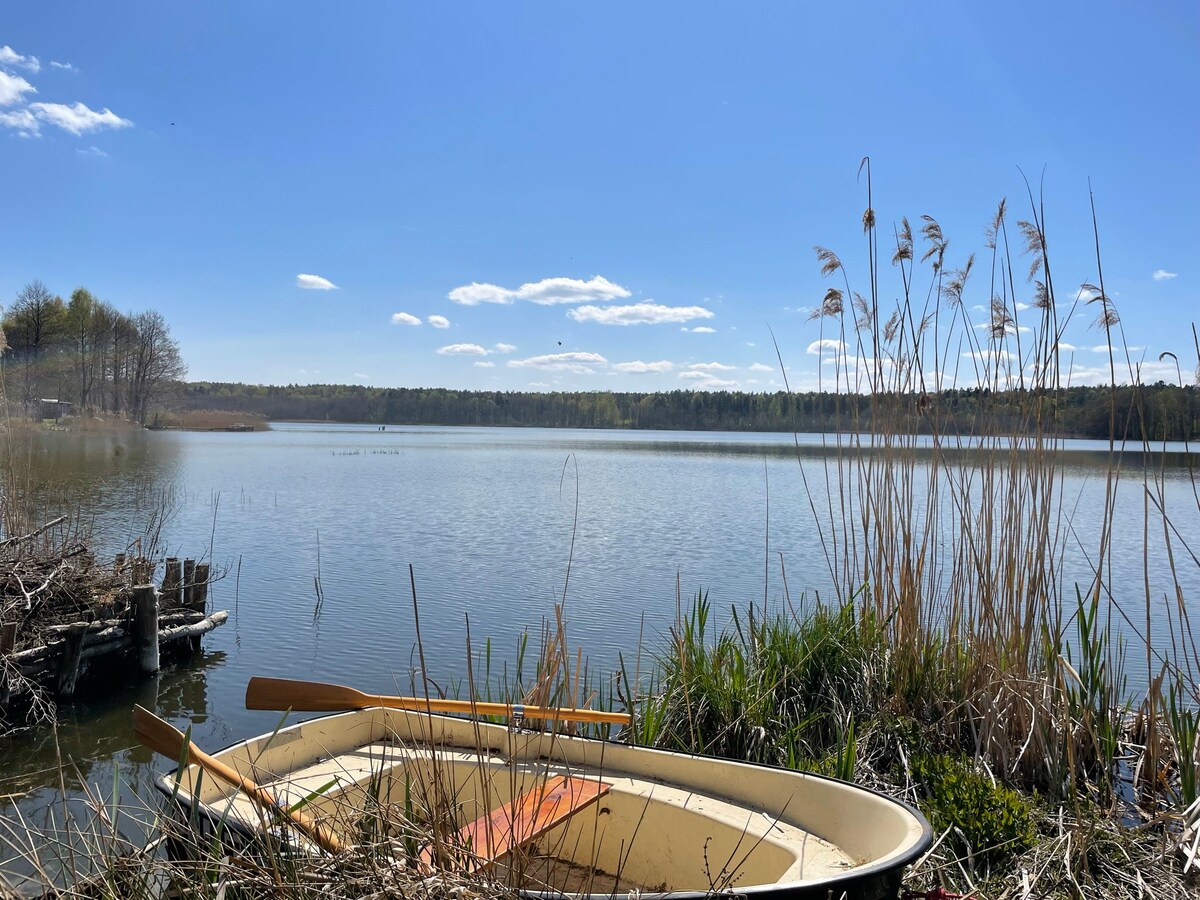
489 520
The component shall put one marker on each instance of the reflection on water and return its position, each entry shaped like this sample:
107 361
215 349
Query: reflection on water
488 519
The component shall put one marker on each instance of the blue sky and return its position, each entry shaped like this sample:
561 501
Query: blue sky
582 166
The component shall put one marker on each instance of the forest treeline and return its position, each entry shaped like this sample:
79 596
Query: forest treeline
1156 412
85 352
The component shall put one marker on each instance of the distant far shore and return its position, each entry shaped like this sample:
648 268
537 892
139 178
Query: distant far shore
1154 412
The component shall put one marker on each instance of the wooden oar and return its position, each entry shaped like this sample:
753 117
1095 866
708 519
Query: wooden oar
168 740
313 696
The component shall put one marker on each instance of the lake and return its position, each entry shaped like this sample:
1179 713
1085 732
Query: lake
491 521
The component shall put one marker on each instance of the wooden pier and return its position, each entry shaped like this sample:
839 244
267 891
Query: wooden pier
140 624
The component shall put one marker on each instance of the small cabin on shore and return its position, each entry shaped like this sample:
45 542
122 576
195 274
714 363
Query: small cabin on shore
54 409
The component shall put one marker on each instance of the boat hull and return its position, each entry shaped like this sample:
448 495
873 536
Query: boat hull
673 824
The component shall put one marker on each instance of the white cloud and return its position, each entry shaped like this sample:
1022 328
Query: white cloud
539 384
66 67
362 376
475 293
484 364
12 88
315 283
438 321
403 318
1063 345
94 152
825 345
1164 275
11 58
638 314
78 118
552 291
704 380
712 367
699 329
547 292
637 367
578 362
1083 295
759 367
505 348
462 350
1021 307
23 121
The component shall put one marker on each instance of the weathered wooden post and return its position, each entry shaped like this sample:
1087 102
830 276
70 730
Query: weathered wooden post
172 583
8 637
199 598
68 663
189 584
140 571
145 626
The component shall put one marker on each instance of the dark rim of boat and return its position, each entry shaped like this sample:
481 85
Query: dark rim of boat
164 784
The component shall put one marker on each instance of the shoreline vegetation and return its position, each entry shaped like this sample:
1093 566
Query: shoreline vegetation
1156 412
946 660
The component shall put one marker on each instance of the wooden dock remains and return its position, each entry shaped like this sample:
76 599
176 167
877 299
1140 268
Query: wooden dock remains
127 622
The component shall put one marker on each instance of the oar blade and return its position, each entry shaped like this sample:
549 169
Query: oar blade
303 696
160 736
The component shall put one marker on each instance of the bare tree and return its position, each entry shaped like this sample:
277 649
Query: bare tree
34 325
153 363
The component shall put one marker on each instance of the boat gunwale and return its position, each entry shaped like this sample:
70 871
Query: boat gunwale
169 785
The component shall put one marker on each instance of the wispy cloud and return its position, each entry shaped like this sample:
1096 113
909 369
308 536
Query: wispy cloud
362 376
699 329
637 367
14 60
578 362
1083 295
65 67
93 152
22 120
13 88
484 364
505 348
403 318
1164 275
78 118
648 313
438 321
462 350
759 367
547 292
315 283
711 367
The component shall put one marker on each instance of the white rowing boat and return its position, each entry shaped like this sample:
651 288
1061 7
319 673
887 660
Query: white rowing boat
559 815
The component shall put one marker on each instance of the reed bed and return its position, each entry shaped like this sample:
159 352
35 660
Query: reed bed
949 657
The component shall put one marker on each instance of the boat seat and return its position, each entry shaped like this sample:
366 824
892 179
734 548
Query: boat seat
529 816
